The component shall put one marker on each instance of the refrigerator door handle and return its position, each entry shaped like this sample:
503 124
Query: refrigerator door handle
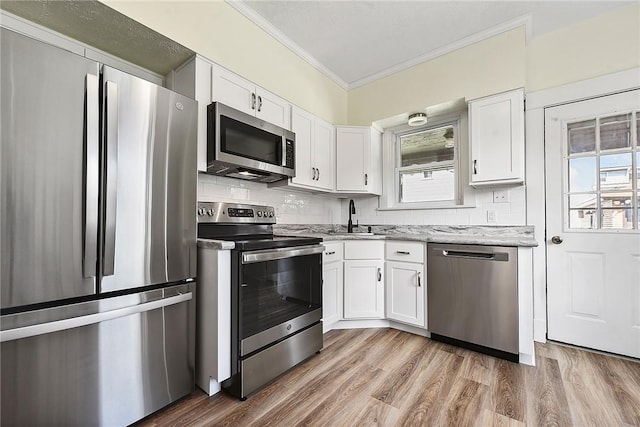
111 172
92 141
75 322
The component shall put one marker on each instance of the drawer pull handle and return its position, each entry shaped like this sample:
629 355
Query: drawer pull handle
330 253
403 252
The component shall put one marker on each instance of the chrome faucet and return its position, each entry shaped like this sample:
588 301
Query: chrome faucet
352 210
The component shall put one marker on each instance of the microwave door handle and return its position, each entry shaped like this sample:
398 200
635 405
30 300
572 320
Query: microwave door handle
284 152
111 137
91 183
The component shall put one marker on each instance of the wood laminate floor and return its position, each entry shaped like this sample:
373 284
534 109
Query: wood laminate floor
391 378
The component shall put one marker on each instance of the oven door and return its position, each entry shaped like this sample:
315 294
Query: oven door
279 293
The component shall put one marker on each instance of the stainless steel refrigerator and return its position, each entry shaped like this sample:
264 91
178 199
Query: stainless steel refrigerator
98 240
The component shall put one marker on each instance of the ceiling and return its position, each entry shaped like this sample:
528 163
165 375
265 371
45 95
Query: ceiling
355 42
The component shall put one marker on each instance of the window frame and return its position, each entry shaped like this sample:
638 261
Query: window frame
391 192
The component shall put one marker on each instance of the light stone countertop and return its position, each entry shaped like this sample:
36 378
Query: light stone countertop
458 234
216 244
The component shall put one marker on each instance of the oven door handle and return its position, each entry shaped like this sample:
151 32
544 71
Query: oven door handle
280 253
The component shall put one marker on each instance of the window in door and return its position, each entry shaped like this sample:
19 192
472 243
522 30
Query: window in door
602 164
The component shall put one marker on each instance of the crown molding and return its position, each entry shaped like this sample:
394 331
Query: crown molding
525 21
261 22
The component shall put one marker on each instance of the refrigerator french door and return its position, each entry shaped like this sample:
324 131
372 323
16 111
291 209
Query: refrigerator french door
98 240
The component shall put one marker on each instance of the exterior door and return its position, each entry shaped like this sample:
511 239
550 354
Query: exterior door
593 237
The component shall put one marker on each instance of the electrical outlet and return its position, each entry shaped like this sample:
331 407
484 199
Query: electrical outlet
501 196
491 217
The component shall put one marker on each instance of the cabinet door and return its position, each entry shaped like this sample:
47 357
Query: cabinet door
324 154
405 292
364 289
302 126
332 292
351 144
272 108
233 90
374 163
496 131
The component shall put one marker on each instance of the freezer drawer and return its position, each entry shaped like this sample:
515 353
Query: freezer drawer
472 294
110 372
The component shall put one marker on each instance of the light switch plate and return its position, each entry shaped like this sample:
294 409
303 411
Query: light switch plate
491 217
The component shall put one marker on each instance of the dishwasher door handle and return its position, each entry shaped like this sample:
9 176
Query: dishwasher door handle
489 256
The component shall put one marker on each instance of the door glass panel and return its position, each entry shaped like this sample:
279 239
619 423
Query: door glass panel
617 210
583 209
582 174
615 171
638 170
583 218
582 136
615 132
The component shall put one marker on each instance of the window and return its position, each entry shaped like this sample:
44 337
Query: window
423 165
605 147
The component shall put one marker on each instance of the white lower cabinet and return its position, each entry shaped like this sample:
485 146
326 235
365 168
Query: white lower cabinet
363 280
405 292
332 283
364 289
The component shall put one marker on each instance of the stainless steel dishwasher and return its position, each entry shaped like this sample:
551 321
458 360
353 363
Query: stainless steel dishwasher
472 294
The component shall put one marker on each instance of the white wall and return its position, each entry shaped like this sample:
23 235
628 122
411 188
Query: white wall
220 33
512 213
292 207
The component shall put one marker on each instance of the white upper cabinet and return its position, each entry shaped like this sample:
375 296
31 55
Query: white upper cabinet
358 160
496 133
236 92
315 151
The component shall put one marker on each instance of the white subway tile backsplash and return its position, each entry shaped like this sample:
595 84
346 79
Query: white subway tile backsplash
291 207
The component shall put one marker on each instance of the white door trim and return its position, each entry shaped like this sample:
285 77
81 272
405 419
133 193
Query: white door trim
535 175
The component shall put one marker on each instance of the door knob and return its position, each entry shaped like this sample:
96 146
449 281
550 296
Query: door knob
556 240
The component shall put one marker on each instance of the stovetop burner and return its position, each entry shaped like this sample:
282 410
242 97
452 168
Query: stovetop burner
250 227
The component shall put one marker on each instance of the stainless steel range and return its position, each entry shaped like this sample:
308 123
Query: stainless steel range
276 293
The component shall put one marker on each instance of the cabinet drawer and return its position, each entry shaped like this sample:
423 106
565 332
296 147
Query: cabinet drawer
405 251
364 250
332 252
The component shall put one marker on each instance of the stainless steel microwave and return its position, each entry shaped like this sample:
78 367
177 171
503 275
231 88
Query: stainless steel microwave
242 146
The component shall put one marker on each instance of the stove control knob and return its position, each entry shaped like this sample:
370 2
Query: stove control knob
259 214
270 214
201 211
210 212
